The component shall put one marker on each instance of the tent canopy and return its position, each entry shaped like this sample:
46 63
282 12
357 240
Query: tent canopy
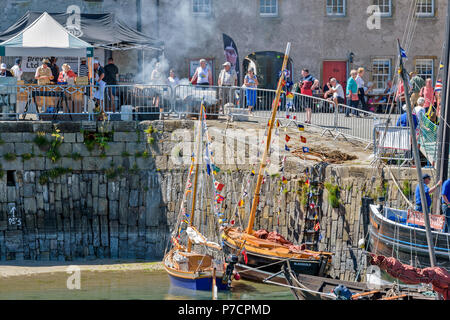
100 30
45 36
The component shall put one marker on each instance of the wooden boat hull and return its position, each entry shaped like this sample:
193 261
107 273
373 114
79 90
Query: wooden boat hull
272 264
201 283
390 238
198 281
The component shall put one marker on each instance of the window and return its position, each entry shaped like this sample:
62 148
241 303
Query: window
425 68
381 73
268 8
385 7
201 7
336 7
425 8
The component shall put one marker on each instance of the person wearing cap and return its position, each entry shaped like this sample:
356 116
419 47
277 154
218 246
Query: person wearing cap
4 72
446 203
203 75
84 69
403 120
417 83
227 78
43 73
428 191
16 70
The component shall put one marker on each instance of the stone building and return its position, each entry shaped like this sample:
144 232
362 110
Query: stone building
328 37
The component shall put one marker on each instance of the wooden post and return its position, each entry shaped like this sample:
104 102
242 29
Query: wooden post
262 168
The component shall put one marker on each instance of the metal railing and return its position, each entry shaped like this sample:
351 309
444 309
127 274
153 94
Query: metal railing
149 102
392 143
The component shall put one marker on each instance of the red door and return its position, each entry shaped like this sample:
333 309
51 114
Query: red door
335 69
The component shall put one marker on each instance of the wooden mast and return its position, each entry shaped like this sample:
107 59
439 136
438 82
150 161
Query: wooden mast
417 161
197 167
262 168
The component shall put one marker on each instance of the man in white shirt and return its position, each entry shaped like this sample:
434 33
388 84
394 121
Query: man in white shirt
17 70
338 92
227 78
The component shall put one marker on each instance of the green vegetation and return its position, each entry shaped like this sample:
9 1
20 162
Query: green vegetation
406 188
41 140
75 156
27 156
10 156
53 152
333 195
97 139
53 174
125 154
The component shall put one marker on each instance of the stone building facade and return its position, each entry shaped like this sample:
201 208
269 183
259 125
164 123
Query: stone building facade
323 33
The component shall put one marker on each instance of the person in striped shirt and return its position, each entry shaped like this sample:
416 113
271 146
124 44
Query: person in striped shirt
84 69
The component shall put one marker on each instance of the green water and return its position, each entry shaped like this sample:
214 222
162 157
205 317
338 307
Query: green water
125 285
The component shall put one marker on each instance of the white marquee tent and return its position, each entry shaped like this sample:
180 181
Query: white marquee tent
46 37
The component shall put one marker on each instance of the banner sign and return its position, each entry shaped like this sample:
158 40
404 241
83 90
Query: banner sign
30 64
418 218
232 55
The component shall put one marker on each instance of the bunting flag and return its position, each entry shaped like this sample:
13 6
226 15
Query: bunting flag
301 127
312 205
244 253
439 86
295 117
403 53
208 169
287 148
307 182
216 169
288 138
278 123
288 116
441 66
219 186
284 180
220 198
303 139
241 203
317 227
253 173
305 150
188 191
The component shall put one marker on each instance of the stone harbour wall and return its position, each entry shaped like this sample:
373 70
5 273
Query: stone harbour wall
121 199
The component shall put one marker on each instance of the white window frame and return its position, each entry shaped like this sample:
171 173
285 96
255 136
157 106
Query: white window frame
264 14
389 76
425 60
344 8
201 13
384 14
424 14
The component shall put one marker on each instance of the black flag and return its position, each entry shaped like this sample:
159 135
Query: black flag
232 55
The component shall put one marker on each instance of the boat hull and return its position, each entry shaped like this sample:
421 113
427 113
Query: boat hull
408 244
197 284
273 264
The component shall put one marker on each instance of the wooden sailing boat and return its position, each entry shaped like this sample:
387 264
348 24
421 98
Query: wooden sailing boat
264 254
186 268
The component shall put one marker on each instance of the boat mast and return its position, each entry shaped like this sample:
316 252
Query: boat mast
443 147
262 168
417 160
197 167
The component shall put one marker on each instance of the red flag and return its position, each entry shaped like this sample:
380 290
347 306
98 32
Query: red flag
244 253
288 138
303 139
295 117
285 181
219 186
220 198
317 227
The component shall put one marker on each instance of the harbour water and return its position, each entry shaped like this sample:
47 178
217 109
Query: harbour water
124 285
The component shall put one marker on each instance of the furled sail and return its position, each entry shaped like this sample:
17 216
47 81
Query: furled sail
197 238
